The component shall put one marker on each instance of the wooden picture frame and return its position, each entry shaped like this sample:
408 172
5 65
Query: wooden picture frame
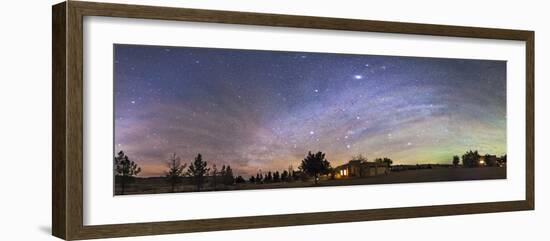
67 76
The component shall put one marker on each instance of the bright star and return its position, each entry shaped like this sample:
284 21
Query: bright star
357 76
312 132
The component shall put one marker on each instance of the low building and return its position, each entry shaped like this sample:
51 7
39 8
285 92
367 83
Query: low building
358 168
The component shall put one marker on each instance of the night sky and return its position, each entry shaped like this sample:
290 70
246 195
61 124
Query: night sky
265 110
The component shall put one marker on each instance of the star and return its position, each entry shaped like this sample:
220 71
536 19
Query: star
357 76
133 101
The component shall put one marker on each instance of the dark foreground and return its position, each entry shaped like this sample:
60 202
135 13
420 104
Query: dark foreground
159 185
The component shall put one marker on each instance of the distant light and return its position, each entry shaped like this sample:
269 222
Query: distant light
358 76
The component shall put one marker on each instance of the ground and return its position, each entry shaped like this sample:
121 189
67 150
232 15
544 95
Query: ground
159 185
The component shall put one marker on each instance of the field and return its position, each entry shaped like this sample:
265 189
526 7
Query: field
159 184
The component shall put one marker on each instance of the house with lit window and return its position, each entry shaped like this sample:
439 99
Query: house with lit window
358 168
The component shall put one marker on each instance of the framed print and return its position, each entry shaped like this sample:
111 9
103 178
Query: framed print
327 120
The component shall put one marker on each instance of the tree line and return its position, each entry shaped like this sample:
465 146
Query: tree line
312 166
473 159
198 171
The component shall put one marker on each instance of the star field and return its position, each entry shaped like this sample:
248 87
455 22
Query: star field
265 110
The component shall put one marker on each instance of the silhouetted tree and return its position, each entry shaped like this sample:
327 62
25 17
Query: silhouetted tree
276 176
197 170
125 169
175 171
490 161
259 178
284 176
228 178
315 165
214 173
502 160
290 173
471 159
456 161
359 157
386 161
252 179
239 179
268 177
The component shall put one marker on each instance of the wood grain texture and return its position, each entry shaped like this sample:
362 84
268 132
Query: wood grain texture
137 229
263 19
74 121
58 121
67 203
530 120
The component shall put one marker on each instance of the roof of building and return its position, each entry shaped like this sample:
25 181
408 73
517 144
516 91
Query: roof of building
358 162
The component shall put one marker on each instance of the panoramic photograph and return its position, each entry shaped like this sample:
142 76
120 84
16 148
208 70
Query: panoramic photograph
190 119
